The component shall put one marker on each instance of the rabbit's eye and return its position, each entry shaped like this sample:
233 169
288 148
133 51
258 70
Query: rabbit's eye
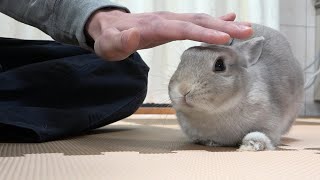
219 65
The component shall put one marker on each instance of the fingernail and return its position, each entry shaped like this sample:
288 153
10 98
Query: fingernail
244 27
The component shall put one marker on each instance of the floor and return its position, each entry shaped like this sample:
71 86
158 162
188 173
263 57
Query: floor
153 147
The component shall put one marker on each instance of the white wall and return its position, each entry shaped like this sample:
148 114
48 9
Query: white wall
14 29
297 22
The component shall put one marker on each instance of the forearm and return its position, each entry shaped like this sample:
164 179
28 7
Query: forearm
63 20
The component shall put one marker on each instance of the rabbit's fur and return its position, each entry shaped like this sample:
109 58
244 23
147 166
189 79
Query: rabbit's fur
251 104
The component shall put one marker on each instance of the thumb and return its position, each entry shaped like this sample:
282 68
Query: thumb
115 45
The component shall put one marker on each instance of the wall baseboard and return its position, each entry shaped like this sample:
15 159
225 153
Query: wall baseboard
155 110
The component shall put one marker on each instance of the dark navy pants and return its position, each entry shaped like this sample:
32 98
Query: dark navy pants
50 91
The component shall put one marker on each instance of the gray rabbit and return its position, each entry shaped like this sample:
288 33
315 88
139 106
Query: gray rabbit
245 94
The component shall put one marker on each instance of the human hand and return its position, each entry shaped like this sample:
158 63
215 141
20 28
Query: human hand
118 34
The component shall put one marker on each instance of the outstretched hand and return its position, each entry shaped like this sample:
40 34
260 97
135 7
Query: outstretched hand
117 34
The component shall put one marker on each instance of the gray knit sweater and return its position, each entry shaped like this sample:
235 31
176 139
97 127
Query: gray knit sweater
63 20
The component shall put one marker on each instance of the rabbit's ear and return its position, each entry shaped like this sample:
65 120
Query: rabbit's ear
251 50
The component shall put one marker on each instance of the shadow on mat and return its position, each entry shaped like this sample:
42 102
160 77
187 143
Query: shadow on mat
117 138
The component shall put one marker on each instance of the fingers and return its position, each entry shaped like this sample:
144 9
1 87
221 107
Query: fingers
114 45
235 30
224 24
179 30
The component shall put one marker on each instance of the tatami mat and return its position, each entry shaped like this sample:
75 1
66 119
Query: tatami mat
153 147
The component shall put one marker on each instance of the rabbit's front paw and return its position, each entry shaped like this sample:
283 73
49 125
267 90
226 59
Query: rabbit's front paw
256 141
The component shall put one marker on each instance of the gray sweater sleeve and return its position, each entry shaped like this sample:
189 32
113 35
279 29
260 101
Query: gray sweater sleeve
63 20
